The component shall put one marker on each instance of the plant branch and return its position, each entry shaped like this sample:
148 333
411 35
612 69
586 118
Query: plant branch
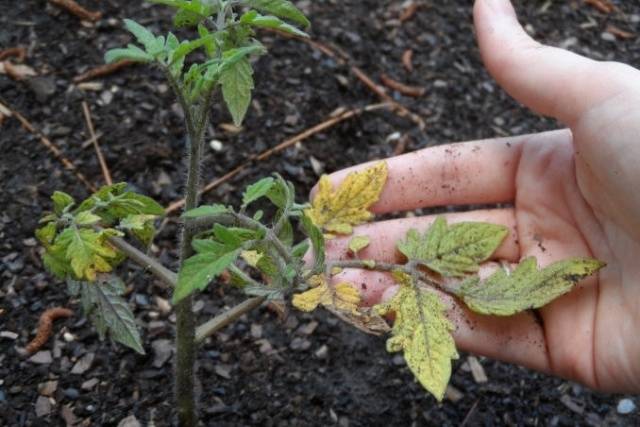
410 268
217 323
145 261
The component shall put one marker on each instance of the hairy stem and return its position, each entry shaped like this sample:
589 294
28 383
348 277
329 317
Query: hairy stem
145 261
185 322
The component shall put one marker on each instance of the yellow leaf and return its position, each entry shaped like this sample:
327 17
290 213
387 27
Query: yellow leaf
251 257
337 211
423 332
343 297
358 243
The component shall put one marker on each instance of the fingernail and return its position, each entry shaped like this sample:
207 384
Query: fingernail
502 7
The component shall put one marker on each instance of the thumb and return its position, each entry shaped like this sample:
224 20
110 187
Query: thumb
549 80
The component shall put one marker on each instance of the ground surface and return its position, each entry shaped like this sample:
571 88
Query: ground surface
313 370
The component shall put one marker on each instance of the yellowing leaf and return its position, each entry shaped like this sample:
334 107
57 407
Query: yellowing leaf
526 287
423 332
453 250
337 211
342 297
251 257
358 243
87 251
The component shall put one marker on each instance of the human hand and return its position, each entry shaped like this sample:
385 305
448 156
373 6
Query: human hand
573 195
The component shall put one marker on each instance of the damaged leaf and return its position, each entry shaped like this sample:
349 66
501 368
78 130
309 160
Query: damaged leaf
453 250
338 211
342 297
526 287
358 243
423 332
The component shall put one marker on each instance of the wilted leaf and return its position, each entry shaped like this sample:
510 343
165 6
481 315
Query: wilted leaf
423 332
109 312
364 319
337 211
526 287
358 243
342 297
453 250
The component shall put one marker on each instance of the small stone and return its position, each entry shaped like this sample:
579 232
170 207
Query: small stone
83 364
141 300
256 330
130 421
216 145
89 384
42 87
308 328
316 165
198 306
607 36
163 305
106 97
69 417
47 388
162 351
398 360
41 358
8 335
626 406
68 337
453 394
43 406
322 352
265 346
72 393
223 370
300 344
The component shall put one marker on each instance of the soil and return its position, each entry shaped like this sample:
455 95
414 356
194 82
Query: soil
312 370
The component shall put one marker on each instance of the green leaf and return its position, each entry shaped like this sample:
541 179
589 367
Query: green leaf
257 190
285 234
199 270
143 35
237 84
109 312
358 243
454 250
300 250
208 246
46 234
317 241
113 203
422 330
61 201
280 8
526 287
254 19
207 210
86 218
131 53
280 193
141 226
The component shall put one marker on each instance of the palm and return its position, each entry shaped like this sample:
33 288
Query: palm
573 194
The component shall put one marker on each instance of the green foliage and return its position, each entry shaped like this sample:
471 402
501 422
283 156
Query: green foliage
256 191
102 302
526 287
227 41
453 250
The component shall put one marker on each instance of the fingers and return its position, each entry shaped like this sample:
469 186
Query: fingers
456 174
516 339
549 80
386 234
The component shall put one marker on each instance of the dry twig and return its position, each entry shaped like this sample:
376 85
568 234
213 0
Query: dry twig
408 11
45 327
94 140
620 33
326 124
74 8
20 53
407 60
604 6
52 148
102 70
414 91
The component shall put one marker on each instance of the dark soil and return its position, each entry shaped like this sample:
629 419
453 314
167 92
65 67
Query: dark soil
259 371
